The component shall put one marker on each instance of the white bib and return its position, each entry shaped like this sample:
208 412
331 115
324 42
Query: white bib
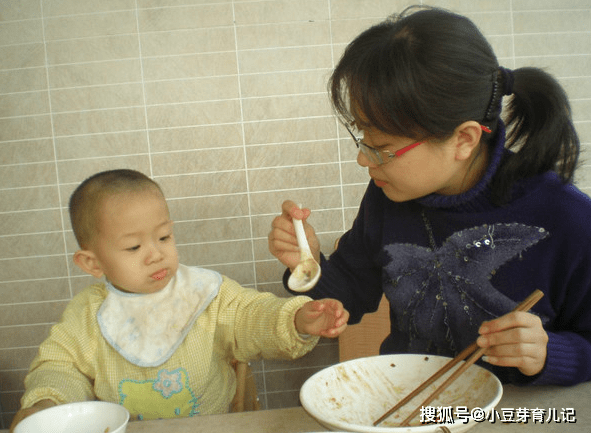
147 329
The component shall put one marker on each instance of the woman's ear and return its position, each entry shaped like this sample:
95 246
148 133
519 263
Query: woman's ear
468 136
88 262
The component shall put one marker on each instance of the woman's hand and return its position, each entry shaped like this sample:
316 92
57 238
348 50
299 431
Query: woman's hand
517 339
283 242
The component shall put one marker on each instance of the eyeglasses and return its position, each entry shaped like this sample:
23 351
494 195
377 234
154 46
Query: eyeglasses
376 156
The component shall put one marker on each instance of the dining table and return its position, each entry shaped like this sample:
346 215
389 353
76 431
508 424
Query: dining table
521 409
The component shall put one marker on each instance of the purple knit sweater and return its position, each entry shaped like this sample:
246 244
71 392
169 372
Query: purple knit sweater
447 263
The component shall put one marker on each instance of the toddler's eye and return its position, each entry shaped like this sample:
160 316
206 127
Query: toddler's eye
134 248
165 238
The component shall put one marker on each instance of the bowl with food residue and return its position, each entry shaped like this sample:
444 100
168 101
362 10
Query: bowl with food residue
81 417
352 395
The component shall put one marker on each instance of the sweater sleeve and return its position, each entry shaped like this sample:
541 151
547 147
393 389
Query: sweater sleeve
63 371
254 324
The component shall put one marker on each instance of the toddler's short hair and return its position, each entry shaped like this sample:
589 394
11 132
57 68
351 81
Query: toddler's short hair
86 200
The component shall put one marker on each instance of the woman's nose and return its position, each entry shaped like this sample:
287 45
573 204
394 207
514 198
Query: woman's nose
364 161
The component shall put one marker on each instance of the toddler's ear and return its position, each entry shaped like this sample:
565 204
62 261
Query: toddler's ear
88 262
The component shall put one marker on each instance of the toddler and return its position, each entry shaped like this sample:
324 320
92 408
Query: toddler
158 337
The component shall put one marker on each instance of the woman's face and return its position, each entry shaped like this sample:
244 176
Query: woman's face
431 167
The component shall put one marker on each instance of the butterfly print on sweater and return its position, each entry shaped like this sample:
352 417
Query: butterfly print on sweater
439 296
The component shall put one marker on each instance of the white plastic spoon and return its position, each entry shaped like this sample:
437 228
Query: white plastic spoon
306 274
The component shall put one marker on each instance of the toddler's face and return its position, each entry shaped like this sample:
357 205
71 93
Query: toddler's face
135 245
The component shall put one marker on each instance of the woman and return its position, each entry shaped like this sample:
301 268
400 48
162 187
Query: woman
462 219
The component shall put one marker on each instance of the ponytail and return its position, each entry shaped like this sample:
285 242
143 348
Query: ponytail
539 130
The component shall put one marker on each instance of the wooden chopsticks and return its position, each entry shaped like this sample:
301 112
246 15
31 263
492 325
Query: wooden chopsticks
472 350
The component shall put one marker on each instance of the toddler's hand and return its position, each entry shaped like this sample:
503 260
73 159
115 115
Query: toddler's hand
23 413
516 339
326 318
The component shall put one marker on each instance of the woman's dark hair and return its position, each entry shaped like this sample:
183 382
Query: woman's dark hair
422 73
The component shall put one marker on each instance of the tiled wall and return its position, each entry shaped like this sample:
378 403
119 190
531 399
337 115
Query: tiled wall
224 104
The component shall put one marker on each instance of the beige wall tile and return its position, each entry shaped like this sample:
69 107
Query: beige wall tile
286 107
92 74
187 42
196 161
92 49
216 230
23 199
34 291
198 185
22 152
191 114
84 26
464 6
102 145
22 56
551 21
552 44
269 202
92 98
549 4
73 172
189 90
278 155
280 11
290 34
22 80
185 17
13 359
33 268
21 10
243 273
101 121
285 59
13 380
24 128
21 32
35 221
162 3
354 9
20 104
16 176
289 131
32 245
199 137
284 83
190 65
226 206
26 314
23 336
294 177
72 7
218 253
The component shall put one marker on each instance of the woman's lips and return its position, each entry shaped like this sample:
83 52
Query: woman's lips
161 274
380 183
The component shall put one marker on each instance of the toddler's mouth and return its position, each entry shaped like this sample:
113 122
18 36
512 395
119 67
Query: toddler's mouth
161 274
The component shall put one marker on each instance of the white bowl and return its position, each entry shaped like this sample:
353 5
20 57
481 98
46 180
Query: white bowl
352 395
83 417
